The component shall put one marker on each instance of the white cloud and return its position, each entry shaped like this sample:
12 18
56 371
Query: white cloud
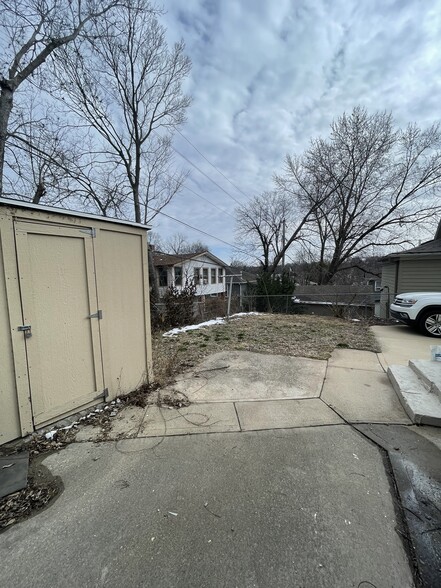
269 76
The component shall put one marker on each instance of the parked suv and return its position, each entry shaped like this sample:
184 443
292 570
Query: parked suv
420 309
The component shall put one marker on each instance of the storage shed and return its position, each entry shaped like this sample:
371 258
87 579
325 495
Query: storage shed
74 313
414 270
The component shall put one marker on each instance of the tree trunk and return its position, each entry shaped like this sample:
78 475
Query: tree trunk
136 205
6 101
154 290
40 191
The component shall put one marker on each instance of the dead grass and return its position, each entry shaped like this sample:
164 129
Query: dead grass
297 335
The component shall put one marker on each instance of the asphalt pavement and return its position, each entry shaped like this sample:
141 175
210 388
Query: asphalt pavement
305 507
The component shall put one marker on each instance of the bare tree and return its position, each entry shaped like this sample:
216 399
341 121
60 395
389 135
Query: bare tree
34 158
260 226
46 160
366 187
127 85
32 31
382 184
178 244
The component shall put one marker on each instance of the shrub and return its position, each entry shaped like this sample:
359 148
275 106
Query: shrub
179 305
274 293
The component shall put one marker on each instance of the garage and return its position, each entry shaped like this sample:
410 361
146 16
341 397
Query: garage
74 313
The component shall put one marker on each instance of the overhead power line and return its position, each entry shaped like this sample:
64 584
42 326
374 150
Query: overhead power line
202 232
212 164
206 175
201 172
206 200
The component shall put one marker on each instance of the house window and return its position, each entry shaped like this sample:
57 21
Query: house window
162 274
205 274
197 275
220 275
178 275
213 275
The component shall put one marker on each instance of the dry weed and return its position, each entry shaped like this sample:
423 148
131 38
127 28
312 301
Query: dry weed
298 335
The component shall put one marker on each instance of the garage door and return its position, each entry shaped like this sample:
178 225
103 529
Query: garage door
60 320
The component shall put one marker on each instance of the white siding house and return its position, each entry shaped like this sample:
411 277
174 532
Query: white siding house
204 270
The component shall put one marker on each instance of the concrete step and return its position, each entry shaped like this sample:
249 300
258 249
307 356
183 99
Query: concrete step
429 372
422 406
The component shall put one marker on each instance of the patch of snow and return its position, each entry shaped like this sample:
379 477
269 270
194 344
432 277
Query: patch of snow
70 426
216 321
177 330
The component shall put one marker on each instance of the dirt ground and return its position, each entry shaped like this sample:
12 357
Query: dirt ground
298 335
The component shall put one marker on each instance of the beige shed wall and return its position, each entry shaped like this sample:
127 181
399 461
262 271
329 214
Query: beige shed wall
419 275
121 273
123 296
9 416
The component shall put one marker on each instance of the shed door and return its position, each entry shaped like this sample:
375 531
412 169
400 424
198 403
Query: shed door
58 291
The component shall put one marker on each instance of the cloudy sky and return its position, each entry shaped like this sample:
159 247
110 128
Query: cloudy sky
269 75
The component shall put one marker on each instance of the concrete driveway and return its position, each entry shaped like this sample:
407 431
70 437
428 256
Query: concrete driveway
274 476
399 343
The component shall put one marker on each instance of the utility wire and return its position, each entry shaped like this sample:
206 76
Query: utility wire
206 175
212 164
201 171
185 187
202 232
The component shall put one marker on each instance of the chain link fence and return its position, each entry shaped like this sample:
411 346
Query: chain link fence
347 304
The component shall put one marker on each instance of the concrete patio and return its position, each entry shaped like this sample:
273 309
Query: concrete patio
243 391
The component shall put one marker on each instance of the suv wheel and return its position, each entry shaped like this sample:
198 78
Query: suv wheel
430 323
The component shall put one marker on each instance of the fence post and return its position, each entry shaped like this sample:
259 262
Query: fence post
230 290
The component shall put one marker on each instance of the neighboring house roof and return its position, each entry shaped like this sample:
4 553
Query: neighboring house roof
432 247
167 259
161 259
241 276
358 293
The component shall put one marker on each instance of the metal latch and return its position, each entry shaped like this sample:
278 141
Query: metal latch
26 329
98 314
